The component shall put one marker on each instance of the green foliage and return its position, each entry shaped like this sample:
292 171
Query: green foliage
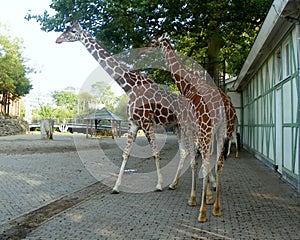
109 99
104 95
84 99
121 108
13 80
45 112
62 112
70 105
206 29
23 111
66 100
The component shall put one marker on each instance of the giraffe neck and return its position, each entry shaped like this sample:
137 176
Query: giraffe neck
116 70
184 80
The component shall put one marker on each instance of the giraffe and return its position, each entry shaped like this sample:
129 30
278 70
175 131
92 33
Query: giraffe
199 77
210 105
148 104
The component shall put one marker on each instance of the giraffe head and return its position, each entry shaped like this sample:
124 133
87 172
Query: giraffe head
159 39
156 42
71 34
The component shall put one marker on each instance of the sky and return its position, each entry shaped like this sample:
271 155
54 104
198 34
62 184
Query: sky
58 65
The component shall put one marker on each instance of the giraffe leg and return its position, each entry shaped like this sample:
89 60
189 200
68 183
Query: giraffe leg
209 194
159 175
130 138
149 132
212 180
237 138
229 147
183 155
119 180
237 144
202 212
192 200
191 145
216 209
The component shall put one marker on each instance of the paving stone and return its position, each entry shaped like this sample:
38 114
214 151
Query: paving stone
255 202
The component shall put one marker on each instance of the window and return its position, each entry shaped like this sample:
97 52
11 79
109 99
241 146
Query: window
278 66
287 61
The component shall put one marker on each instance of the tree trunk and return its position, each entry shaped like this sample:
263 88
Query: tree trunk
4 103
215 43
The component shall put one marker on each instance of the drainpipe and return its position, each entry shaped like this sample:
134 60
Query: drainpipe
241 127
298 92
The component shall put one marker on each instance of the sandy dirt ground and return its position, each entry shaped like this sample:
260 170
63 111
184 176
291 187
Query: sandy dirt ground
33 143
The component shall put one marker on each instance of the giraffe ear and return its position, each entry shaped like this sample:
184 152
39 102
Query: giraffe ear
165 36
158 35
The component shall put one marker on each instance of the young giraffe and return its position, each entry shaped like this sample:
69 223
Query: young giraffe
148 105
210 111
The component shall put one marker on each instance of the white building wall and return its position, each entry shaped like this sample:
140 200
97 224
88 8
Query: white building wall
270 110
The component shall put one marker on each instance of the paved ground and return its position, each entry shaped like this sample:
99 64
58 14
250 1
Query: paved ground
47 191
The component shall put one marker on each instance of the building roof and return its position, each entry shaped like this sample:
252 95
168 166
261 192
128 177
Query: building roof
103 114
277 23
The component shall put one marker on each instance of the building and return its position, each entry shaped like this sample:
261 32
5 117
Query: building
14 107
269 88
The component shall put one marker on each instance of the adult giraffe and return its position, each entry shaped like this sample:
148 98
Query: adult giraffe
163 42
210 104
148 104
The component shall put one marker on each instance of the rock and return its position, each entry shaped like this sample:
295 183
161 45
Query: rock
13 126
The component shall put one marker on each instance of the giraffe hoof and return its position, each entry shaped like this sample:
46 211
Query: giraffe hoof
172 187
114 191
202 219
192 202
158 190
217 213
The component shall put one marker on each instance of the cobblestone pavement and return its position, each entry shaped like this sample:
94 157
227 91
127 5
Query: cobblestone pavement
256 203
29 181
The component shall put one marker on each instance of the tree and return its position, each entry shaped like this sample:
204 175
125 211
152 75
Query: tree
13 80
121 108
84 101
45 111
62 112
109 99
104 95
66 100
207 30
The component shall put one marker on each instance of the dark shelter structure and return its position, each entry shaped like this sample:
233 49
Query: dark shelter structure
103 123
